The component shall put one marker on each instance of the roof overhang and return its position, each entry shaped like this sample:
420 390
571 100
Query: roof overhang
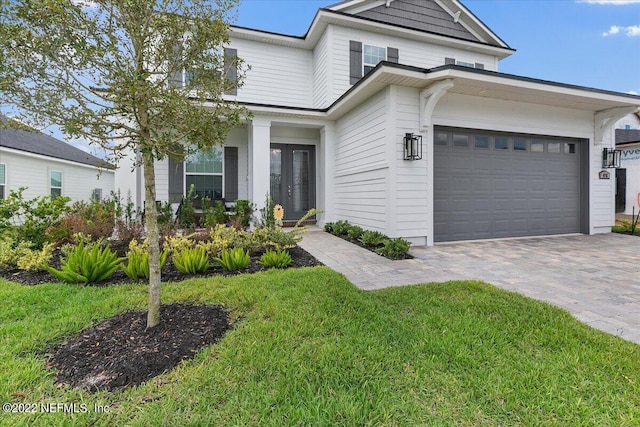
326 17
466 81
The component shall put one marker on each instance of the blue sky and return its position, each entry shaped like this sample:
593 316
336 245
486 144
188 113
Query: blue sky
558 40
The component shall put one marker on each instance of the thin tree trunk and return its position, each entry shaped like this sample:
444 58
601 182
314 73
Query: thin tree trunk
153 238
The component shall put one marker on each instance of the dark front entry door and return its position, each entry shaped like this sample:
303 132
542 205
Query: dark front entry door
293 178
621 190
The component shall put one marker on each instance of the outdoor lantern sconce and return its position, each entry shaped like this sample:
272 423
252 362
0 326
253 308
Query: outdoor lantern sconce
610 158
412 146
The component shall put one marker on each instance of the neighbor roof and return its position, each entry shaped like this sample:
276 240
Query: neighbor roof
36 142
627 136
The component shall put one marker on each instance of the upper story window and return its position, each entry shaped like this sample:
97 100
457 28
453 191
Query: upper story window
204 170
466 64
55 183
372 55
3 180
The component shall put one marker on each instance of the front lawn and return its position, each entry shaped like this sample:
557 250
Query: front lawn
308 348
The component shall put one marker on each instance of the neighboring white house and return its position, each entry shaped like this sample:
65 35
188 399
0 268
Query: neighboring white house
48 166
498 155
627 136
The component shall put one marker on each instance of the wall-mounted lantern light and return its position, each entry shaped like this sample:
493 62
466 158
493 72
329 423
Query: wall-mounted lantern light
412 146
610 158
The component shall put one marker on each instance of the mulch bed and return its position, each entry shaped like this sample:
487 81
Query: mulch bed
120 352
359 243
300 258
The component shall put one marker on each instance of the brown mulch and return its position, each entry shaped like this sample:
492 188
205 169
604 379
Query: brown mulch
120 352
300 258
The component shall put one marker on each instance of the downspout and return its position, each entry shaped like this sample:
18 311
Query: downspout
429 97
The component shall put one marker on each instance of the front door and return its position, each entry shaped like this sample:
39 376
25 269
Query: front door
293 179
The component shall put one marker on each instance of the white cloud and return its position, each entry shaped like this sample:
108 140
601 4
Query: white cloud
616 2
631 31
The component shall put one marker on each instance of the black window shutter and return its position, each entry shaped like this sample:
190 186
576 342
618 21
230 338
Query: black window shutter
231 69
175 70
230 173
449 61
176 180
479 66
392 55
355 61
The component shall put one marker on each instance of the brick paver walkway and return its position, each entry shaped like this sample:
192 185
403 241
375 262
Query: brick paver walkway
596 278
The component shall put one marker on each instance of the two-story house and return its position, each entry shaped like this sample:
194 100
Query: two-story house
392 114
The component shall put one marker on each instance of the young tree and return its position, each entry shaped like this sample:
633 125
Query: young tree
113 73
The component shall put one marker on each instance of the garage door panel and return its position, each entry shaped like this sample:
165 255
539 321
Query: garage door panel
490 193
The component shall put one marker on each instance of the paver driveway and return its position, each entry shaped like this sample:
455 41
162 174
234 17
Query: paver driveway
596 278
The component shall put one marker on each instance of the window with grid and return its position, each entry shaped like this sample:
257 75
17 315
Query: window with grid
3 180
372 55
55 183
204 170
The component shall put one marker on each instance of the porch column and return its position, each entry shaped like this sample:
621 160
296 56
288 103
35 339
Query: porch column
259 162
429 97
326 173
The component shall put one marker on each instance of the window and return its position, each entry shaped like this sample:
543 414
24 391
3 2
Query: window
55 183
481 142
460 141
519 144
204 171
537 147
501 143
3 179
441 138
569 148
553 147
372 55
466 64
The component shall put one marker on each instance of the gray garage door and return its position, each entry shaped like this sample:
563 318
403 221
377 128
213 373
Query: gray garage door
491 185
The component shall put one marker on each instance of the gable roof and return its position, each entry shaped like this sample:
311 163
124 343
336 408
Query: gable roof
444 17
627 136
485 42
36 142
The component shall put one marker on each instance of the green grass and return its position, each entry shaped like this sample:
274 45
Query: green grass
309 349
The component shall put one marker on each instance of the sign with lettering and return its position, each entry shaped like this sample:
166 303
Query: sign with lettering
630 154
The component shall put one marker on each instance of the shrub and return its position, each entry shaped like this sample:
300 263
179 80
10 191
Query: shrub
246 241
373 239
165 213
267 219
234 259
138 261
95 219
355 232
87 265
341 228
177 243
192 261
395 248
215 214
29 219
11 251
35 260
187 213
272 259
221 238
276 238
241 214
126 232
328 227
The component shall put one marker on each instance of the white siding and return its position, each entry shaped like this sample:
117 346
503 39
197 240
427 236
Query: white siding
279 75
411 52
411 182
480 113
33 172
630 160
321 70
361 165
